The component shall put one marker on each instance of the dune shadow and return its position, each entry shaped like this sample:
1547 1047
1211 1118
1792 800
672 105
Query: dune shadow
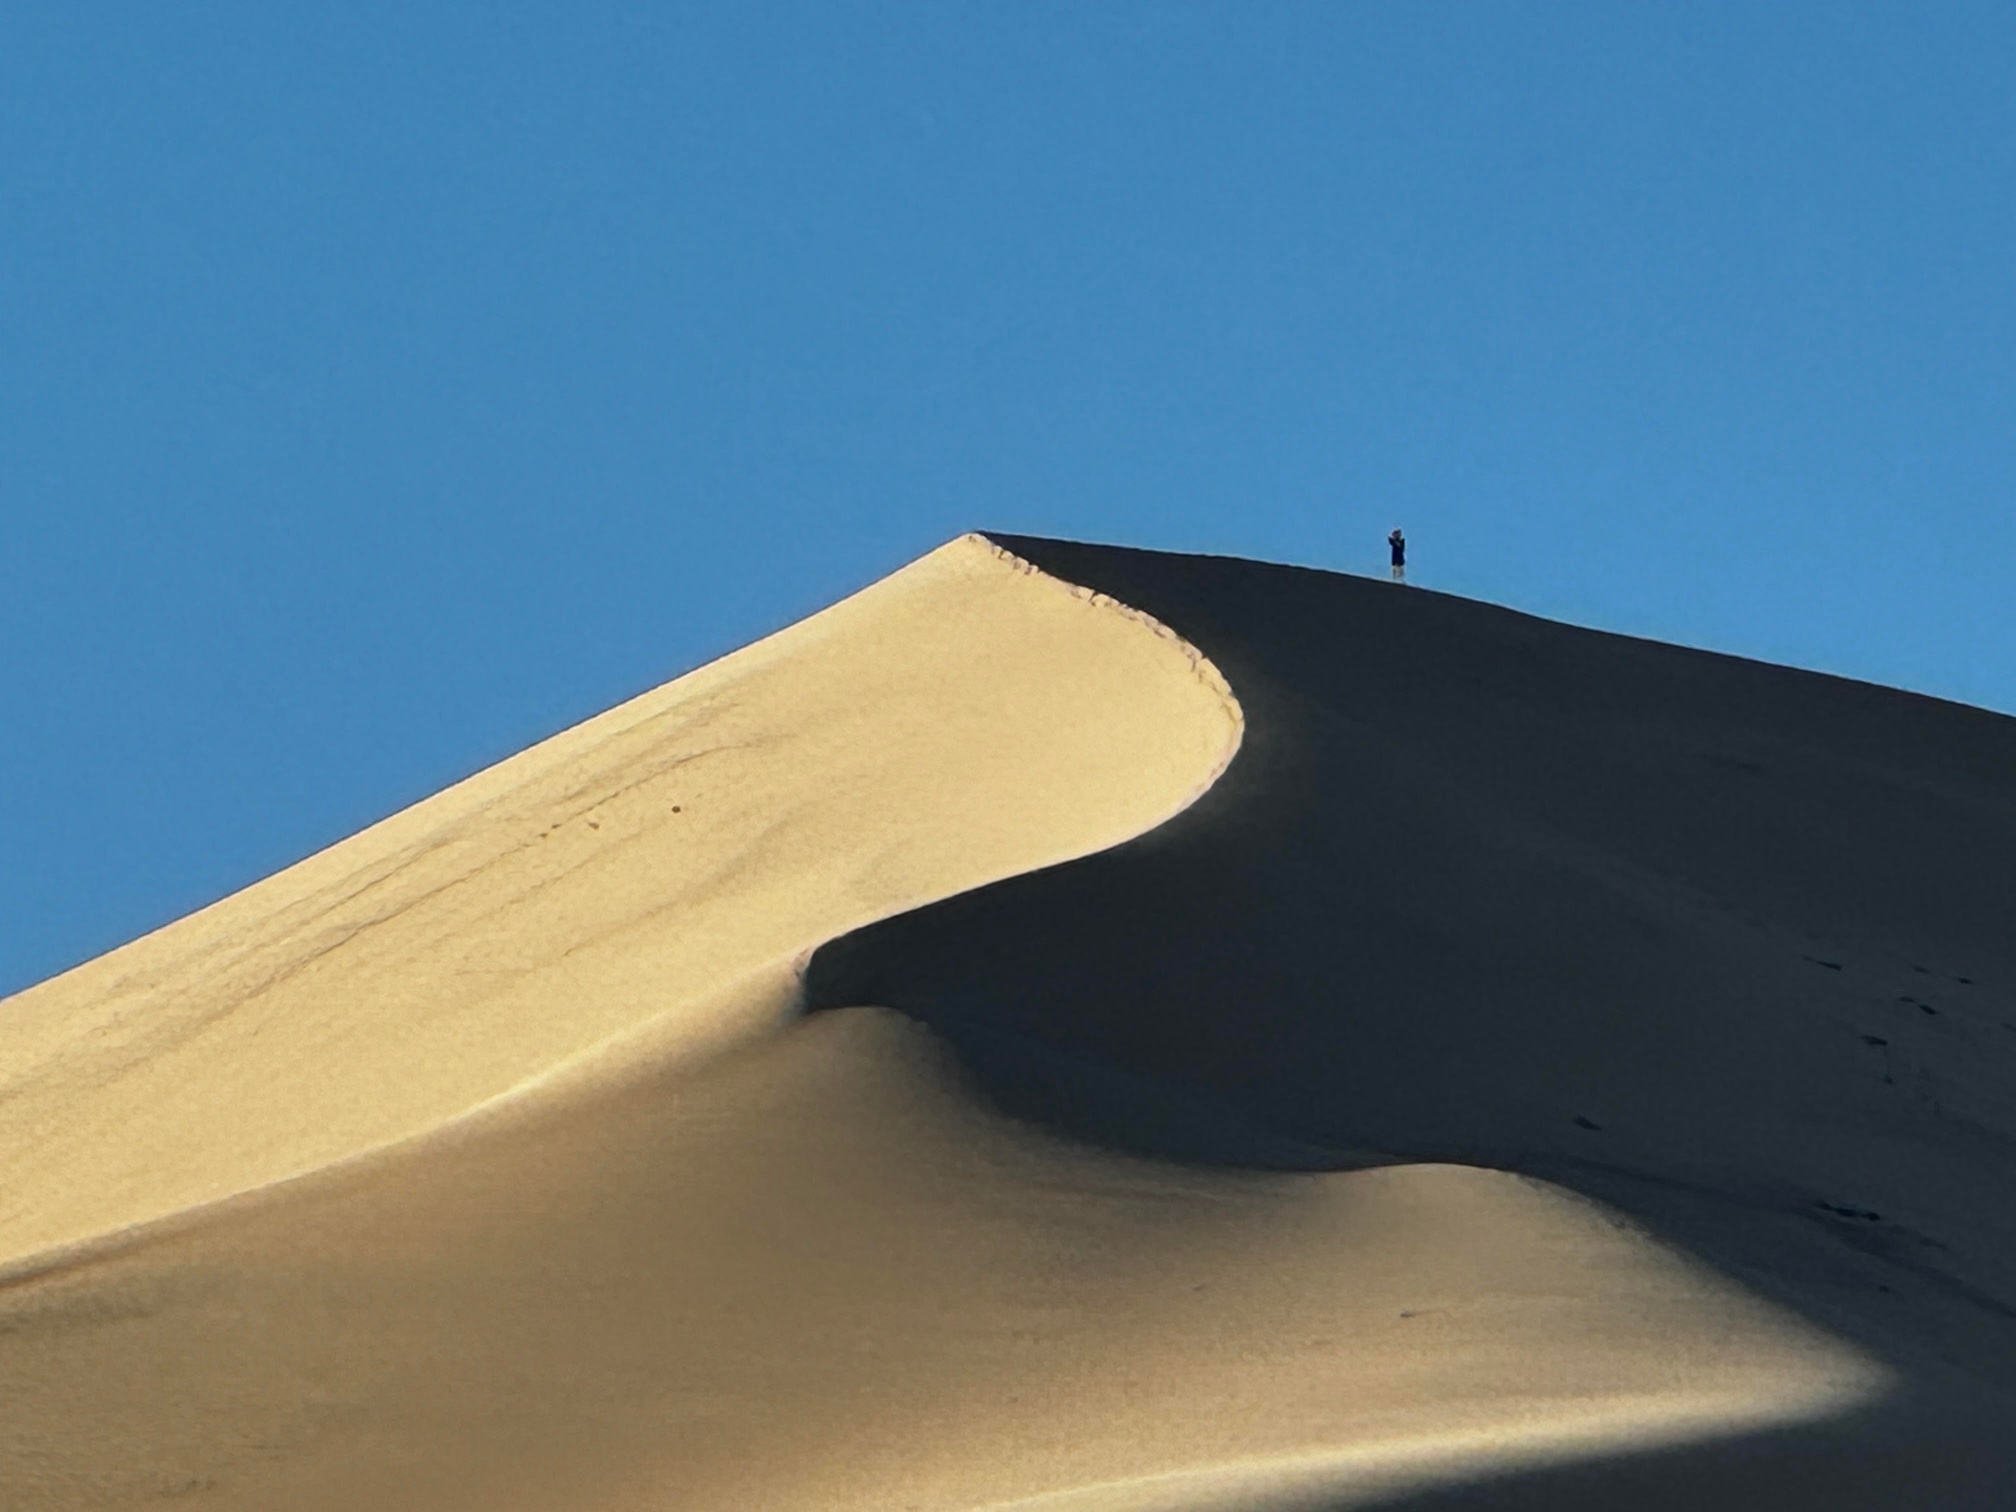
1870 1461
1656 924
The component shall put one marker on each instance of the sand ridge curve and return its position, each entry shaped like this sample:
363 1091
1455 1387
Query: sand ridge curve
967 718
1722 945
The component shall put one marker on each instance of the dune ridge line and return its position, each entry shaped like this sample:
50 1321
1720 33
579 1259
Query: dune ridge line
969 636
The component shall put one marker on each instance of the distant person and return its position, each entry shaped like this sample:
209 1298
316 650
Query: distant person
1399 544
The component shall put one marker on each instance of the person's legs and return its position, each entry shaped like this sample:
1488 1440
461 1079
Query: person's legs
1399 573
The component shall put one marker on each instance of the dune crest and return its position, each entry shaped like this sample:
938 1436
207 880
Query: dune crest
965 719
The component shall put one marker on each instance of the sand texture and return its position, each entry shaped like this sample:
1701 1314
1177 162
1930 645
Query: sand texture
1067 1029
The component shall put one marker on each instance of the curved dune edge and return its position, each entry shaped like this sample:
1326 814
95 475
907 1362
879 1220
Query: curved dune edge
818 1273
664 866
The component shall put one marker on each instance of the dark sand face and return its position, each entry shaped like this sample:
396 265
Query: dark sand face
1727 945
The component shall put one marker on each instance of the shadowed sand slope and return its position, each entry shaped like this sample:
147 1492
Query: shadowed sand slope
482 1162
1727 945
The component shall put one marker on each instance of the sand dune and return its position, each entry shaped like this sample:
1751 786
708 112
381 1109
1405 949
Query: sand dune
1542 1069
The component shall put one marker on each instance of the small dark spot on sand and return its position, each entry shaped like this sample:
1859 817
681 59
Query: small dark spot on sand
592 824
1410 1312
1865 1214
677 810
1874 1039
1830 965
1586 1123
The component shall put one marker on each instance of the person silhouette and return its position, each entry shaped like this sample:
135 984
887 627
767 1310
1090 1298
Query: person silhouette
1399 544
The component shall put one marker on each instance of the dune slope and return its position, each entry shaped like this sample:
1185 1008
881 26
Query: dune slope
962 720
483 1161
818 1273
1726 945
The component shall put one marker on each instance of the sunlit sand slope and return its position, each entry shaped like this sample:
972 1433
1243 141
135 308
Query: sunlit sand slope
961 721
816 1275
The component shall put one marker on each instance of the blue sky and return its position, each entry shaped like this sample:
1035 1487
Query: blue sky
383 388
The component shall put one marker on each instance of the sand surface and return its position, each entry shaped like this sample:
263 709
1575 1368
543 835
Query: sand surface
961 721
1462 1098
